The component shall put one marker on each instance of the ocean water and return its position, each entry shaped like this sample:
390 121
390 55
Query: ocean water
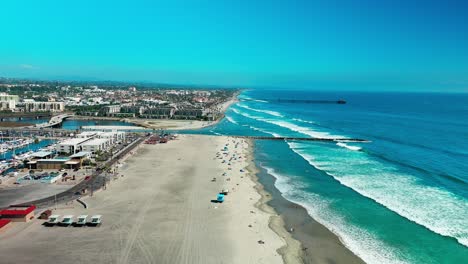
402 198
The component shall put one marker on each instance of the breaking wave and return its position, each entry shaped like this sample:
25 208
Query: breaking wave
436 209
273 113
358 240
344 145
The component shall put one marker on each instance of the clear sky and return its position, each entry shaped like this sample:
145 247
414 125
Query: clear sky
323 43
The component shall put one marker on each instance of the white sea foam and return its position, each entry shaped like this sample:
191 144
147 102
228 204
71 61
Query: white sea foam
288 125
235 111
230 119
437 209
344 145
265 131
251 99
303 121
273 113
247 115
358 240
300 129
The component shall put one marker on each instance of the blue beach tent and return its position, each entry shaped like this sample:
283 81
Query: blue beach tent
220 198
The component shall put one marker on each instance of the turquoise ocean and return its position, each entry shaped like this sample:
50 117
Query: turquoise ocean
401 198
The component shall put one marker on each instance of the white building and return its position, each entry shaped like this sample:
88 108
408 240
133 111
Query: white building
8 102
87 134
96 144
109 110
7 105
90 141
114 137
70 146
44 106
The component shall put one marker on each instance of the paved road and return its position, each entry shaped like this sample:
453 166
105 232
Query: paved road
96 182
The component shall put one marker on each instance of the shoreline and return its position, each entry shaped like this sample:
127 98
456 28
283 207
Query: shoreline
317 244
291 251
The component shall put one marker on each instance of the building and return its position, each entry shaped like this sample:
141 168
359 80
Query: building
42 155
8 97
70 146
132 109
87 134
113 137
18 214
4 223
188 113
8 102
95 145
78 158
109 110
48 164
44 106
90 141
159 112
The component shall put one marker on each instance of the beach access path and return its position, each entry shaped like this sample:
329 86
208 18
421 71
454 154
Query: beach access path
160 211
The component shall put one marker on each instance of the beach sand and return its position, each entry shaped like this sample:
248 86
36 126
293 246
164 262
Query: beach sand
160 211
170 124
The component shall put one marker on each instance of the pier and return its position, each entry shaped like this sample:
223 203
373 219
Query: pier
306 139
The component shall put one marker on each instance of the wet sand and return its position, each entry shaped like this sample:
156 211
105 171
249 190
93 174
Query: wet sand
318 244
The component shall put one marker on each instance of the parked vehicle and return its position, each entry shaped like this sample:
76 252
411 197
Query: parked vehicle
81 220
67 220
95 220
53 220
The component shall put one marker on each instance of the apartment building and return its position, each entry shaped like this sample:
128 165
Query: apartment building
44 106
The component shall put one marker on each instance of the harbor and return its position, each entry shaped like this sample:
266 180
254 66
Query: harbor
46 166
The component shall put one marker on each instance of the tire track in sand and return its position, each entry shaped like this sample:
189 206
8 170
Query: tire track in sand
133 234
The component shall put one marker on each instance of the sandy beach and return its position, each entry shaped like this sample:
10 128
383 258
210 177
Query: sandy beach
160 211
170 124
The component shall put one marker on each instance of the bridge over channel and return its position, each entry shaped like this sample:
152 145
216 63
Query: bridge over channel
54 121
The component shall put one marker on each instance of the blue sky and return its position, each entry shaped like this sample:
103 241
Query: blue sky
325 43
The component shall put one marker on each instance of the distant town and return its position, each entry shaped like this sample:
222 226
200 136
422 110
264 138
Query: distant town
112 100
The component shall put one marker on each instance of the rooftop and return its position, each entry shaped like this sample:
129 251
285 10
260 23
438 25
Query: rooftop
41 154
18 211
95 141
73 141
54 160
87 134
80 154
4 222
